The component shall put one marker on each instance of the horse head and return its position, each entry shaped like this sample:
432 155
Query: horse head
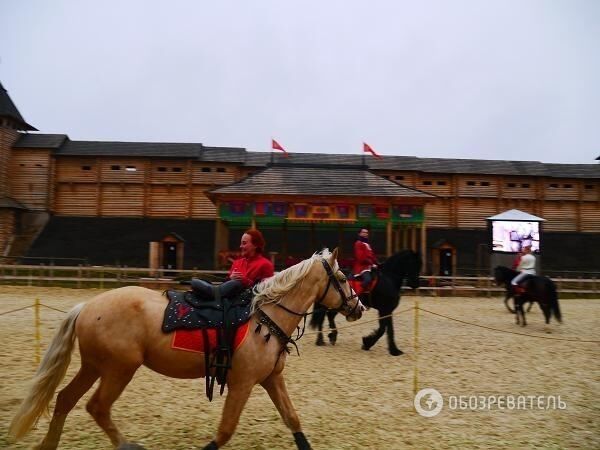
337 294
404 265
317 280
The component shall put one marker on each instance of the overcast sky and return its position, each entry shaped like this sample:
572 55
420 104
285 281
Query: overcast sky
517 80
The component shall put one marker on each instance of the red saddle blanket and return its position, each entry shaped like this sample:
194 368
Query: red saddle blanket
357 286
193 340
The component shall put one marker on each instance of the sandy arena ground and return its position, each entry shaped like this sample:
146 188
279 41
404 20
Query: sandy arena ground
348 398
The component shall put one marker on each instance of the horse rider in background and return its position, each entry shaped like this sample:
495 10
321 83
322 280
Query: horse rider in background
364 259
526 266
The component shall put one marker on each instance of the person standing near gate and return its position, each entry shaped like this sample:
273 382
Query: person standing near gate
245 271
364 259
526 265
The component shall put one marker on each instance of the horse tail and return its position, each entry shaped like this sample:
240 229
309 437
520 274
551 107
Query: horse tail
47 378
318 316
554 300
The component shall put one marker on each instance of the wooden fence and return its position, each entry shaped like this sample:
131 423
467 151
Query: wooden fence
110 276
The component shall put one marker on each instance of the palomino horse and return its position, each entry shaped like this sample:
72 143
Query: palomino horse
537 289
120 330
385 297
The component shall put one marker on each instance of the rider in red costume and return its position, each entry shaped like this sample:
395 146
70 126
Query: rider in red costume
364 259
245 271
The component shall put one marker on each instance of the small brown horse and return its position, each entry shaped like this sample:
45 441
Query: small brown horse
120 330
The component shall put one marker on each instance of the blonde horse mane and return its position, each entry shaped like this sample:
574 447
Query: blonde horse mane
273 289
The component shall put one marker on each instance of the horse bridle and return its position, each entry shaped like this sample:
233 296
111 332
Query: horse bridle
332 279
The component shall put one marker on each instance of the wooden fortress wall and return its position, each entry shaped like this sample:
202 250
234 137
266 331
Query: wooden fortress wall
176 188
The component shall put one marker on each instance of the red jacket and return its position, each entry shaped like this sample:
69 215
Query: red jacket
253 269
364 257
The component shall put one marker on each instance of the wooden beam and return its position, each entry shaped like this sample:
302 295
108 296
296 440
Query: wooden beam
423 246
388 239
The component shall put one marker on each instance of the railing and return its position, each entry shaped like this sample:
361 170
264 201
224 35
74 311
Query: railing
438 285
100 276
110 276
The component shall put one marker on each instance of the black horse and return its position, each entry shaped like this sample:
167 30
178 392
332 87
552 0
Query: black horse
537 289
385 297
510 291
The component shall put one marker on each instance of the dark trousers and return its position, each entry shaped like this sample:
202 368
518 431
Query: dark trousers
366 278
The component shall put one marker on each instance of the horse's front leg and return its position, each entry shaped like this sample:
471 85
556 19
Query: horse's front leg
517 310
333 329
234 404
392 348
506 299
320 340
275 387
370 340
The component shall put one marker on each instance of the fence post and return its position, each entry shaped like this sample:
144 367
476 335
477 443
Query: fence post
102 278
416 348
79 275
38 343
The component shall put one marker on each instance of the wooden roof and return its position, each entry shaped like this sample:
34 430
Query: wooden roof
293 179
62 145
39 140
150 149
517 215
8 109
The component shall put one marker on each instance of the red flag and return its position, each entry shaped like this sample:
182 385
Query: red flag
277 146
367 149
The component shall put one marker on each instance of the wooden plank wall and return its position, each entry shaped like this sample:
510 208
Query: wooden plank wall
439 213
464 201
30 177
7 139
137 187
7 227
145 187
590 217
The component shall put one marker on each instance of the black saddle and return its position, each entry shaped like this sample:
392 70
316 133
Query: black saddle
188 310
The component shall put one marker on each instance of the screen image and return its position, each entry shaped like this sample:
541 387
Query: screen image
510 237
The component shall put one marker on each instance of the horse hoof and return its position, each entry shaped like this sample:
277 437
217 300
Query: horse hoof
332 338
130 446
320 342
396 352
365 344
